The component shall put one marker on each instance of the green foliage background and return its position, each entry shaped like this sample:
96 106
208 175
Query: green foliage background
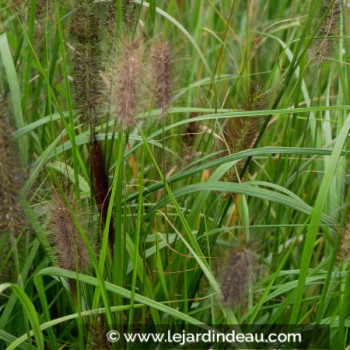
289 211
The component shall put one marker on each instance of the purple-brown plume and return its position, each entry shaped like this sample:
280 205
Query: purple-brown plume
343 252
162 76
240 133
66 239
11 182
100 184
322 48
236 276
128 16
126 91
87 61
99 329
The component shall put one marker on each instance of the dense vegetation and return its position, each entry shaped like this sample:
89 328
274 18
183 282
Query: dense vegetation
175 162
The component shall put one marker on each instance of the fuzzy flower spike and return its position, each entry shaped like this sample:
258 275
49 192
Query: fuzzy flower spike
11 214
162 76
126 92
67 241
87 79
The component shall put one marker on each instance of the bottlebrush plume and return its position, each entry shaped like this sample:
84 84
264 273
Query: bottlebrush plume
162 76
343 252
126 90
65 237
100 185
100 178
98 330
128 16
236 276
322 48
87 60
240 133
11 182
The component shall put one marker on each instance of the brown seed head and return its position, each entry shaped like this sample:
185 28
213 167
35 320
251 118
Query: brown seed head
99 177
87 61
241 133
99 329
343 252
12 219
126 91
128 16
322 48
237 272
162 75
66 238
11 215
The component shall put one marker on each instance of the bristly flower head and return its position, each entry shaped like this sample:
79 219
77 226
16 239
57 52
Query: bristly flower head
126 90
99 178
343 253
99 329
128 17
322 48
162 75
241 133
66 238
11 214
237 273
87 60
